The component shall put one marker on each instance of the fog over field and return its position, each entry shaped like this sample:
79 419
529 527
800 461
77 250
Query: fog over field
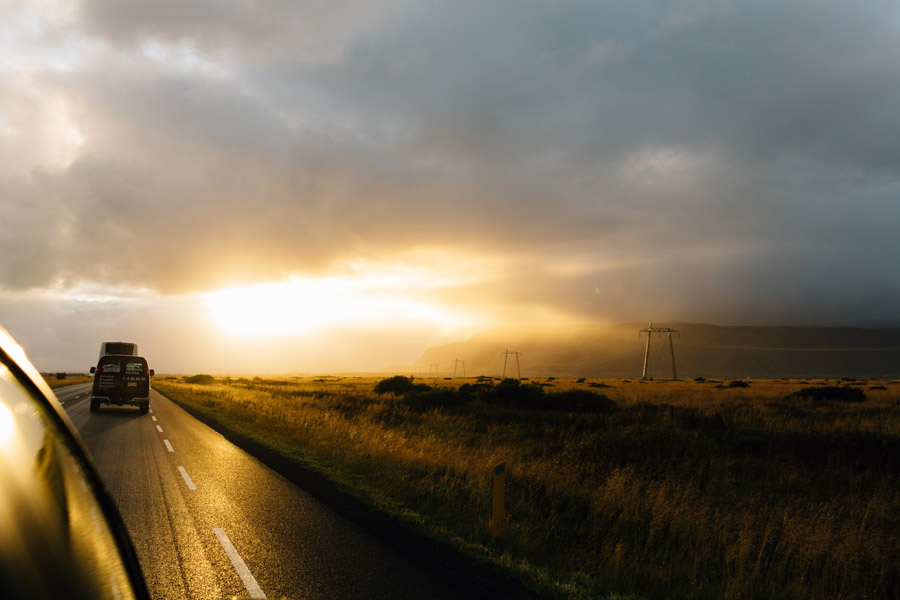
308 186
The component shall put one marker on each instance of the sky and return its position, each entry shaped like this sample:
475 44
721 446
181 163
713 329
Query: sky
305 185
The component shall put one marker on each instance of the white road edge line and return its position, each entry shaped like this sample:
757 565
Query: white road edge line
169 446
187 479
239 565
159 428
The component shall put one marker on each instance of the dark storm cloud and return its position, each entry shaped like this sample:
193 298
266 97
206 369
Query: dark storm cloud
725 161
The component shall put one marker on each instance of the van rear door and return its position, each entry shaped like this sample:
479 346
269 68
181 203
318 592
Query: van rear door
121 379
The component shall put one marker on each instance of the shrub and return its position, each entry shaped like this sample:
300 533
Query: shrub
200 379
476 388
421 400
396 385
60 376
511 392
580 401
832 392
737 383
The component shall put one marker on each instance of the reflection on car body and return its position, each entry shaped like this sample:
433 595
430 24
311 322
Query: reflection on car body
60 534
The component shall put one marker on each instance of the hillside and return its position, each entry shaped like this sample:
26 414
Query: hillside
701 350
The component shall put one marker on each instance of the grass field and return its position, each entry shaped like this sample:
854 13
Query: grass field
55 382
616 488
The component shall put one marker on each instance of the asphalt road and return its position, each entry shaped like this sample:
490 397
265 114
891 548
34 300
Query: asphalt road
210 521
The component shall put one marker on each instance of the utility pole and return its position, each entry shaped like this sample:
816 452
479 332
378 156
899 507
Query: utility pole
456 363
660 330
506 357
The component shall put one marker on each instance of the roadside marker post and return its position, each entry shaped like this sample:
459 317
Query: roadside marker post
498 514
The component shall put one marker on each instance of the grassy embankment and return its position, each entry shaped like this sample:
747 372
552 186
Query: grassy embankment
55 381
675 489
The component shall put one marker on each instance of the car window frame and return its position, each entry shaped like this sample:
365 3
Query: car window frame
13 358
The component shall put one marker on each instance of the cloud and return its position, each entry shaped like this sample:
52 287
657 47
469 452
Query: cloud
709 160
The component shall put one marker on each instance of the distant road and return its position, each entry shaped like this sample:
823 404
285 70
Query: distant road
210 521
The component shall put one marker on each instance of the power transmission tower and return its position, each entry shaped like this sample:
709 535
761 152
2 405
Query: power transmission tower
506 357
456 363
660 330
434 367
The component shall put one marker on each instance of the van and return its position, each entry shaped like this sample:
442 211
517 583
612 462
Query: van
121 380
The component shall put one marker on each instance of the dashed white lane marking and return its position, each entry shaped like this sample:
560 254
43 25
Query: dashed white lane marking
151 411
159 428
154 418
169 446
187 479
239 565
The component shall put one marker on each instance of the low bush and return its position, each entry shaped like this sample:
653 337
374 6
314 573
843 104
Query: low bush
476 388
597 384
833 393
513 393
396 385
421 400
580 401
201 379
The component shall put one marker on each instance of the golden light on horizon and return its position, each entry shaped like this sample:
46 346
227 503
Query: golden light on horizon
302 305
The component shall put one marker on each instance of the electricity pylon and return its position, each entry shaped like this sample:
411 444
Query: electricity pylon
505 357
660 330
456 363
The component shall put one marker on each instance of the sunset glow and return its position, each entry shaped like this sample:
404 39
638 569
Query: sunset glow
310 305
347 185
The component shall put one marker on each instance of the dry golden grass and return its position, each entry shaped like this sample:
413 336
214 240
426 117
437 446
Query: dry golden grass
54 382
690 489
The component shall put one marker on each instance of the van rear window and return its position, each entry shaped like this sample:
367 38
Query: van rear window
122 364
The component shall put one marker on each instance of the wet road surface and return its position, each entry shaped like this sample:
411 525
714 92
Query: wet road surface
210 521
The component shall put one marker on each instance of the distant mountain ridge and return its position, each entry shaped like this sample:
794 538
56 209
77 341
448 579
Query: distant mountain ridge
701 350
